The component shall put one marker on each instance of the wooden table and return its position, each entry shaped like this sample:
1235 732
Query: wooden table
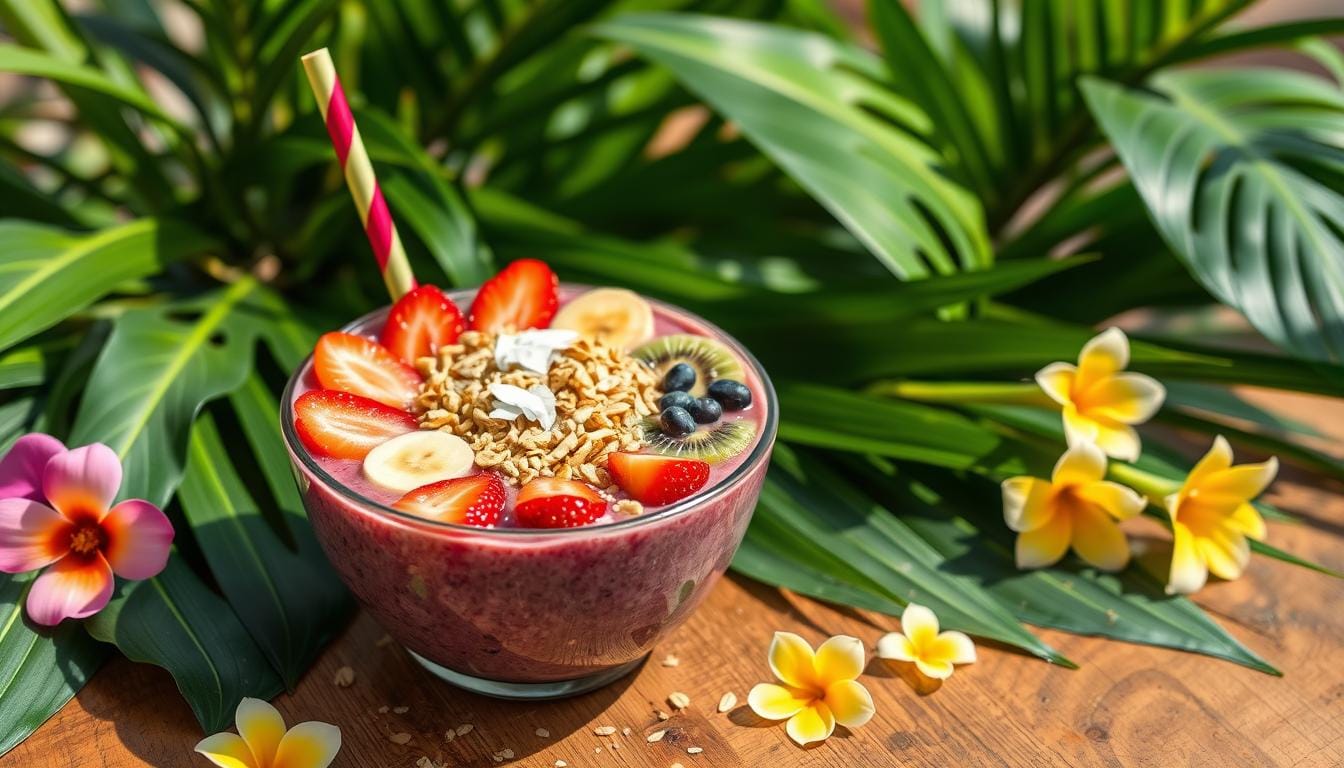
1127 706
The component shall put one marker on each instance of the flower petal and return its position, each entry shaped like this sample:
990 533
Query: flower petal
226 750
840 658
850 703
1056 381
1188 572
1247 520
138 538
308 745
1225 551
1098 540
1106 354
82 482
792 660
938 669
21 468
1045 545
1240 483
953 646
776 702
1119 501
814 723
72 588
1117 440
31 535
1026 503
1129 398
1078 429
920 624
1217 459
1081 463
895 645
261 726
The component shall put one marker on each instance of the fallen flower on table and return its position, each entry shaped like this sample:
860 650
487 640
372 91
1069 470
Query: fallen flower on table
934 653
1212 517
1101 401
819 688
1077 507
56 513
263 742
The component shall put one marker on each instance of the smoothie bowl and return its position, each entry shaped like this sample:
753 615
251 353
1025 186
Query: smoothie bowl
530 485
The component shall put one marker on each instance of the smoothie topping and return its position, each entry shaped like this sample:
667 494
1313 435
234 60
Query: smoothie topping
601 397
532 350
536 403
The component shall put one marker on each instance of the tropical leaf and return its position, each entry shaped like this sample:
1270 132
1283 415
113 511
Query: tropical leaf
956 517
40 669
23 367
173 621
810 515
817 108
47 274
290 603
25 61
157 369
1240 170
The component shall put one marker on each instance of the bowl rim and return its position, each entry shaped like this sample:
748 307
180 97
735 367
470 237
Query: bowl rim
759 452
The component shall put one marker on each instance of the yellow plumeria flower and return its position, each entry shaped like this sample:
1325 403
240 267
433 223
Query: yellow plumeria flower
263 742
1101 401
819 689
1075 508
1212 516
919 641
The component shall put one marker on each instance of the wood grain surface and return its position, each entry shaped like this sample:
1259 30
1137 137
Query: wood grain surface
1128 705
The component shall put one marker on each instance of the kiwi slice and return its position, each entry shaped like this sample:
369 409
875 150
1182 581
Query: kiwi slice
710 359
712 443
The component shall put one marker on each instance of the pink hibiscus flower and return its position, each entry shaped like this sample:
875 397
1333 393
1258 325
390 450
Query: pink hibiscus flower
56 510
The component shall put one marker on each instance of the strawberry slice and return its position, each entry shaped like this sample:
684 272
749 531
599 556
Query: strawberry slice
523 295
655 480
476 500
421 322
548 502
360 366
346 426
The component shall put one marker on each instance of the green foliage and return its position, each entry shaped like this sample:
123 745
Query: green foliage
181 233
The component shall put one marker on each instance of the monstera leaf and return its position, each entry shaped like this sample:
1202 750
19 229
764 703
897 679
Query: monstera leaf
1240 171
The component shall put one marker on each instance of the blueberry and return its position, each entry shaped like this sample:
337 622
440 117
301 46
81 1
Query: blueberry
705 410
676 422
734 395
677 399
679 378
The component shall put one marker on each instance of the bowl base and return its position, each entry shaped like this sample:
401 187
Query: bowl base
557 689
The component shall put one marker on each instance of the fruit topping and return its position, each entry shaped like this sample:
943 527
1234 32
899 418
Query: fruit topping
346 426
418 458
734 395
523 295
549 502
360 366
679 378
708 359
476 500
657 480
705 410
677 399
713 443
614 316
420 323
676 422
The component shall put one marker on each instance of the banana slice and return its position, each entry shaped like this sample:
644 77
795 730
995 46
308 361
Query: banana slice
418 458
613 316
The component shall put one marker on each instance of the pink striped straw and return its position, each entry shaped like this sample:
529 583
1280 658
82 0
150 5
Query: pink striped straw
368 196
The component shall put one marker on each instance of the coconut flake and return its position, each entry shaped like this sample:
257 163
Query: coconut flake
536 403
532 350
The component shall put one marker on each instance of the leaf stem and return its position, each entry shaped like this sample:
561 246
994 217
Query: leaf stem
959 392
1155 487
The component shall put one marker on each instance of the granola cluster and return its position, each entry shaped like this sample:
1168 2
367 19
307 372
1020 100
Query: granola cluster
601 396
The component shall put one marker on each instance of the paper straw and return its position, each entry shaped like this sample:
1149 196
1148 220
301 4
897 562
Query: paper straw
368 196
